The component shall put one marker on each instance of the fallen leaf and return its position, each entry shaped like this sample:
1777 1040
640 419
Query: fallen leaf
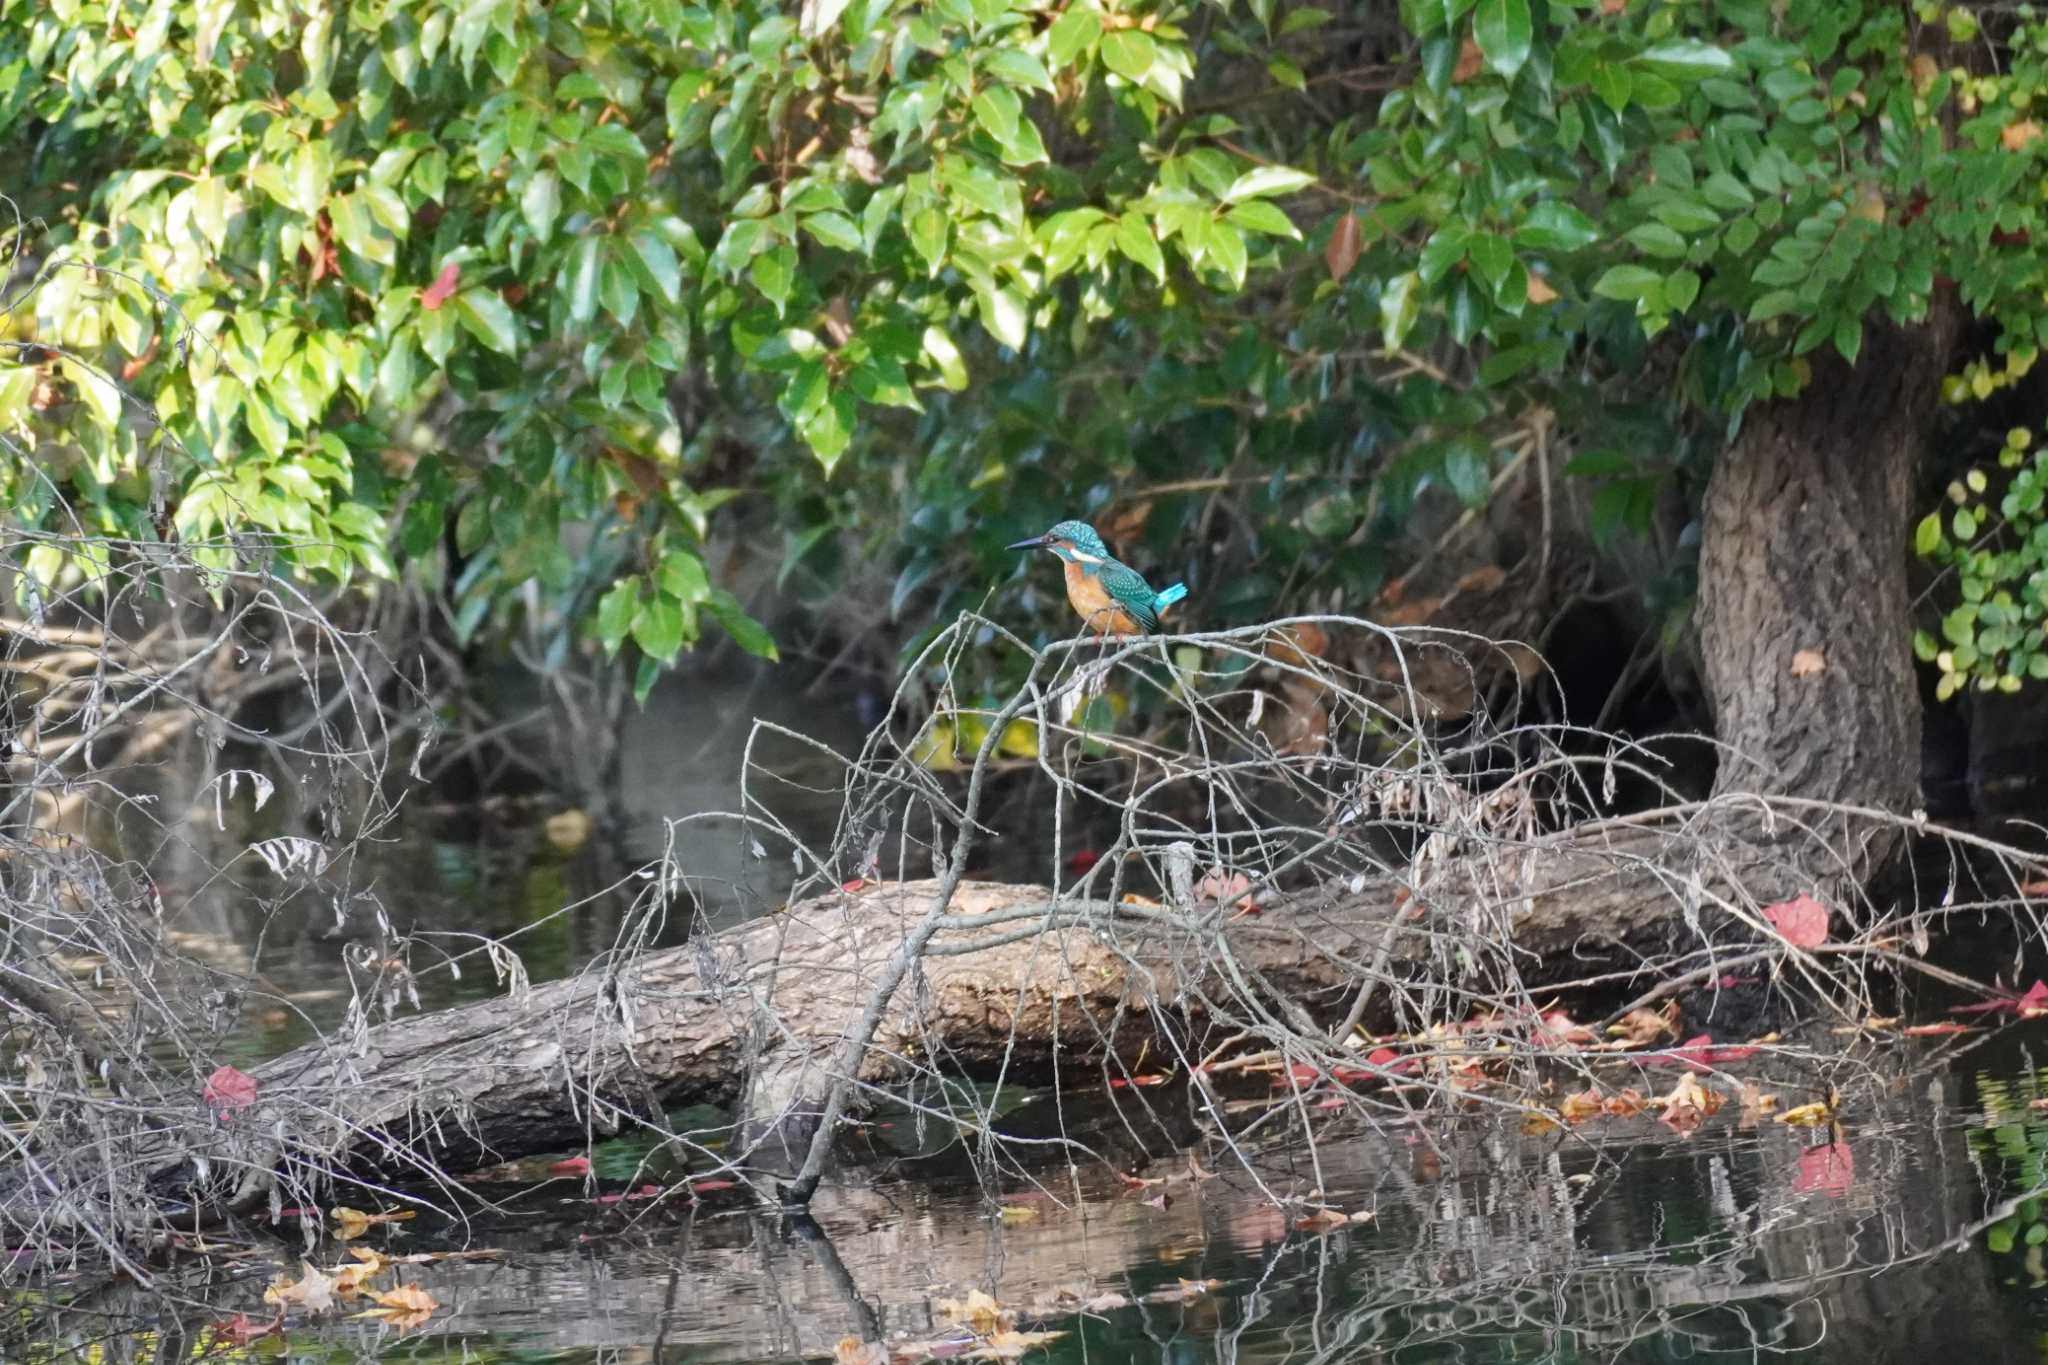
574 1165
1626 1104
1322 1220
1807 663
854 1351
405 1307
229 1089
1645 1025
442 289
349 1223
1161 1201
1829 1169
241 1329
312 1291
1578 1108
1537 1122
1807 1115
1801 921
1558 1029
978 1310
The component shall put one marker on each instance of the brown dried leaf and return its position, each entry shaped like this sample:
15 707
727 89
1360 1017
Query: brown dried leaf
313 1290
1645 1025
2019 135
854 1351
405 1307
1342 252
1540 291
1471 61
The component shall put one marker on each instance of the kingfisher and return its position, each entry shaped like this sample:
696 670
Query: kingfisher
1110 597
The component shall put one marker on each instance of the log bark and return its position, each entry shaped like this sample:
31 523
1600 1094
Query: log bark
1016 984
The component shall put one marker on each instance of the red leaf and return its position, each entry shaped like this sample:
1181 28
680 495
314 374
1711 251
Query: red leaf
575 1165
2035 1001
1558 1029
712 1186
1801 921
1148 1078
1081 859
1829 1169
1699 1054
442 289
228 1089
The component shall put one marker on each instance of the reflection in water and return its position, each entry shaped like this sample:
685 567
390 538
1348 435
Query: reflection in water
1618 1241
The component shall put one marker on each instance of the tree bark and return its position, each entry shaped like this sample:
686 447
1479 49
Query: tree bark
1804 616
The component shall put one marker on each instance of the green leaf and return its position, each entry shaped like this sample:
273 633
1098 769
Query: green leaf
1005 315
1400 305
1071 33
746 632
835 230
1129 52
1687 59
585 271
1259 216
1681 287
1554 225
1655 239
1927 535
682 576
774 274
946 357
658 627
1265 181
998 110
615 612
659 260
1015 66
1504 33
1627 282
1134 238
489 319
541 203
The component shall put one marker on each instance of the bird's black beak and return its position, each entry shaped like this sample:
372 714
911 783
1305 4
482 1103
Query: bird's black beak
1035 543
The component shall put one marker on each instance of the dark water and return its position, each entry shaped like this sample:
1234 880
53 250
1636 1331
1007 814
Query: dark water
1617 1241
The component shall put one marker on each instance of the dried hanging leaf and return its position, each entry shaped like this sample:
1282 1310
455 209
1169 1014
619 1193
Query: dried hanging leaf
1342 252
1646 1025
1016 1213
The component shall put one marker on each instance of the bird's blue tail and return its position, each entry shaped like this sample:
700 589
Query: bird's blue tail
1169 597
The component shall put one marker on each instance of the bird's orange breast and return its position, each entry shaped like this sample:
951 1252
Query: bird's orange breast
1095 605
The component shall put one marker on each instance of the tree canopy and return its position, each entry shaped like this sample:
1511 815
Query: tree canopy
570 278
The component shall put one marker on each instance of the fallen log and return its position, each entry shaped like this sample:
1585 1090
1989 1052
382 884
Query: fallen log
1015 983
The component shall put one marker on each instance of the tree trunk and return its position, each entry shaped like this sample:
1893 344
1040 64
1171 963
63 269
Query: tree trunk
1804 619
